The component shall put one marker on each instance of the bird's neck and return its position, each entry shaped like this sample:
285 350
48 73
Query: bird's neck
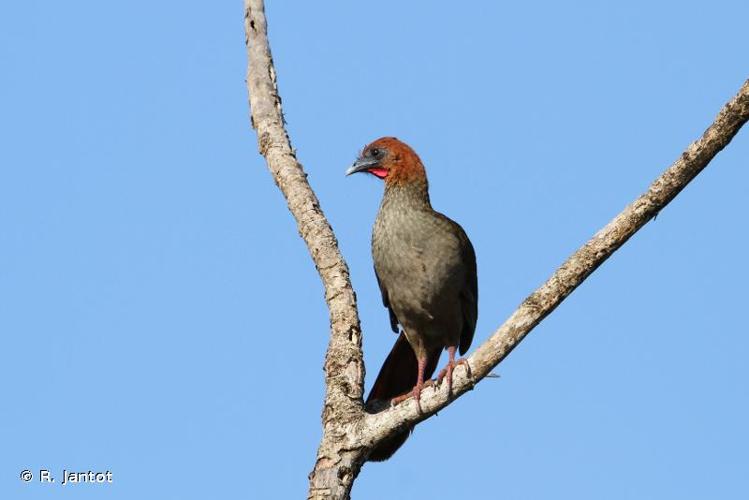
404 196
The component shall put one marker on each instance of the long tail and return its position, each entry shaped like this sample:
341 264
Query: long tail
397 376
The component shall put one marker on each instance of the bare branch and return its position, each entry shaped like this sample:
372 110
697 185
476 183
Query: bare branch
348 432
344 367
574 271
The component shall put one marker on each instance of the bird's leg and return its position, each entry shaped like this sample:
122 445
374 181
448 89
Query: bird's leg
416 392
447 371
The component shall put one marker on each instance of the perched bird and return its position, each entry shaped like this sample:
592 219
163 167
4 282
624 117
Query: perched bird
426 270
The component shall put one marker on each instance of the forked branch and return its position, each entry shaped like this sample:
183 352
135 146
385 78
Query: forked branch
344 366
348 432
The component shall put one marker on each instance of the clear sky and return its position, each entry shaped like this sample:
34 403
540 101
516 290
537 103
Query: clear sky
160 316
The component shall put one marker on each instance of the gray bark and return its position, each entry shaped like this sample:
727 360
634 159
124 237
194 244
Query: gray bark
336 465
348 431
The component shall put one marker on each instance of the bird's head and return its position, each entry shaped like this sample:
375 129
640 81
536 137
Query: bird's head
389 159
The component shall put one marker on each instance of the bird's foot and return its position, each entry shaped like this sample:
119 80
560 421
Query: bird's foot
399 399
415 393
447 372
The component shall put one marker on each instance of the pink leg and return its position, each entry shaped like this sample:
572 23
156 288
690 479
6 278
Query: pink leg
448 370
416 393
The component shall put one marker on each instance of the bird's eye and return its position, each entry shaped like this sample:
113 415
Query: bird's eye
374 152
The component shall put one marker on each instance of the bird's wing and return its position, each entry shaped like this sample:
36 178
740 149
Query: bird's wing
469 295
386 303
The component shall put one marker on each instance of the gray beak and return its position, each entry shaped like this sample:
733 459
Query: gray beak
362 165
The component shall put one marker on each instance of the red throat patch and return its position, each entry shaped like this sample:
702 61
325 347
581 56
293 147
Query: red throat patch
380 173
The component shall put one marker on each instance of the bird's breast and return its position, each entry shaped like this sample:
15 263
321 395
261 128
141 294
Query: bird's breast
417 260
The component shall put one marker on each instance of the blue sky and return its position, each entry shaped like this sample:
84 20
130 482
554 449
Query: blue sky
161 318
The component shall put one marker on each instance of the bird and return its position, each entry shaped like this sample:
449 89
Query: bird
425 267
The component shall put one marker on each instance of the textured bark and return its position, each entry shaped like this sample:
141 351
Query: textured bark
348 432
338 458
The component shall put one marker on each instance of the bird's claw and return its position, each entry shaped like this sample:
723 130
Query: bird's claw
415 394
447 371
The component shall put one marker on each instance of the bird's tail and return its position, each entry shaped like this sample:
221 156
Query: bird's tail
397 376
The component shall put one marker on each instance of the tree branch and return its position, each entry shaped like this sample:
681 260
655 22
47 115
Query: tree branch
573 272
344 365
348 432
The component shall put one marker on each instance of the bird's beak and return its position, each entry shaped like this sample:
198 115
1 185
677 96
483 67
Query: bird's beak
362 165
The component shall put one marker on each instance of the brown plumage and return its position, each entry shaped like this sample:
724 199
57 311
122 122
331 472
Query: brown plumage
426 269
